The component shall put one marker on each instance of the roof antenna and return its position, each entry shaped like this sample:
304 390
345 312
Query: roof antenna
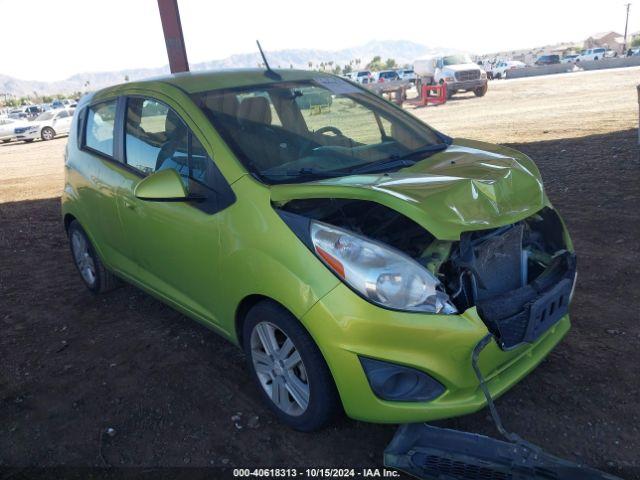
269 73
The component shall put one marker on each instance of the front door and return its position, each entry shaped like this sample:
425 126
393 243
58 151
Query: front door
175 244
62 122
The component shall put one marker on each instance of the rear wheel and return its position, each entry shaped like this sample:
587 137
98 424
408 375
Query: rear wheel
291 373
92 271
47 133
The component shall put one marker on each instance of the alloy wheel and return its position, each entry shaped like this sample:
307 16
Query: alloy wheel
280 368
47 134
82 257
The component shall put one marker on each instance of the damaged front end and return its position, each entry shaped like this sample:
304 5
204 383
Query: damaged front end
519 276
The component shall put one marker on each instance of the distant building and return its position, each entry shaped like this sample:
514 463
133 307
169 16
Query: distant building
610 40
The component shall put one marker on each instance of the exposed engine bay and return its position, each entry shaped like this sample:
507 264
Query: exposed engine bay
519 277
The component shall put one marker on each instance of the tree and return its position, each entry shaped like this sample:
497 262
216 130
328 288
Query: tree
635 42
390 64
375 64
347 69
337 70
126 78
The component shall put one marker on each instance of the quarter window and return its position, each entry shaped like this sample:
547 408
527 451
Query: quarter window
99 129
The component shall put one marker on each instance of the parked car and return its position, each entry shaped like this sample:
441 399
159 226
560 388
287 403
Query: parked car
361 76
501 68
46 126
457 71
19 113
358 256
385 76
591 54
569 59
407 74
547 60
7 127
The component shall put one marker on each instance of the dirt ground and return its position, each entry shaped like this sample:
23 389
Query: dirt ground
73 364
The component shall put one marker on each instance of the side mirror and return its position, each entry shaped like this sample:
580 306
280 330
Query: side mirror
165 185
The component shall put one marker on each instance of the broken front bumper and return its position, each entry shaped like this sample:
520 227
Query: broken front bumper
346 328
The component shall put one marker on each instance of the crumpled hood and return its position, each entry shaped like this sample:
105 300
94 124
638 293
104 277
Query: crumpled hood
469 186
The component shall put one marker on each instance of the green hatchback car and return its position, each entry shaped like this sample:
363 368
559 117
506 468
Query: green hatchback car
357 255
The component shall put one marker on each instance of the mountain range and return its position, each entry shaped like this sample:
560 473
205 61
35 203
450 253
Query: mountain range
402 51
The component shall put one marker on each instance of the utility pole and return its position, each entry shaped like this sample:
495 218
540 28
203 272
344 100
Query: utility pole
626 24
172 28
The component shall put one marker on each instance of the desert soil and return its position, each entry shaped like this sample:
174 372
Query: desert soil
176 395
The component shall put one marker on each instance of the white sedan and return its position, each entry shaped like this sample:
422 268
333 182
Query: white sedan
46 126
501 68
7 127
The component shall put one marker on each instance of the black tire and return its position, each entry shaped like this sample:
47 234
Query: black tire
498 76
47 133
104 280
481 91
324 402
595 58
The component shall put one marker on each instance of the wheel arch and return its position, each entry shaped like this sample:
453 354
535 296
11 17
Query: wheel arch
245 305
67 219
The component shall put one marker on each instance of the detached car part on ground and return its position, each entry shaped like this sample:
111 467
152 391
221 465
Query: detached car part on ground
357 255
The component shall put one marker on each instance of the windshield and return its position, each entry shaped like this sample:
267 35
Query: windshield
296 131
456 59
45 116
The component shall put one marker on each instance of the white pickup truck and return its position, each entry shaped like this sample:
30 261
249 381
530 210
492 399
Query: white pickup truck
457 71
591 54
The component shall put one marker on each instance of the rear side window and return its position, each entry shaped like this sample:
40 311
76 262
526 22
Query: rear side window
101 120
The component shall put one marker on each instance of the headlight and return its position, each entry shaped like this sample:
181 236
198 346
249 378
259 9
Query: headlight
449 79
381 274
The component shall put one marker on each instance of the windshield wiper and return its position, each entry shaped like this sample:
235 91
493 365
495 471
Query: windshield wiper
382 165
305 173
424 152
399 161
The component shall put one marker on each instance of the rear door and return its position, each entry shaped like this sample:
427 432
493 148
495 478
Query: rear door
174 243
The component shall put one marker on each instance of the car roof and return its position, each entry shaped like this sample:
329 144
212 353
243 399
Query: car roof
200 81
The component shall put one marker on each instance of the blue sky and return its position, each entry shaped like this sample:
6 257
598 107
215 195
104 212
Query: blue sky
44 40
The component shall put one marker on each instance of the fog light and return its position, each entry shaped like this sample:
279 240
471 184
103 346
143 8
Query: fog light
400 384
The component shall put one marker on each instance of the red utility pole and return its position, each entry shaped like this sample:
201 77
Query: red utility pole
172 28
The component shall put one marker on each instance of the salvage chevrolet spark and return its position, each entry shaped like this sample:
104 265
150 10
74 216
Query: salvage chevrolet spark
357 255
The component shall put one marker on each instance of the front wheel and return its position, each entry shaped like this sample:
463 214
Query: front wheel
291 373
481 91
47 133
